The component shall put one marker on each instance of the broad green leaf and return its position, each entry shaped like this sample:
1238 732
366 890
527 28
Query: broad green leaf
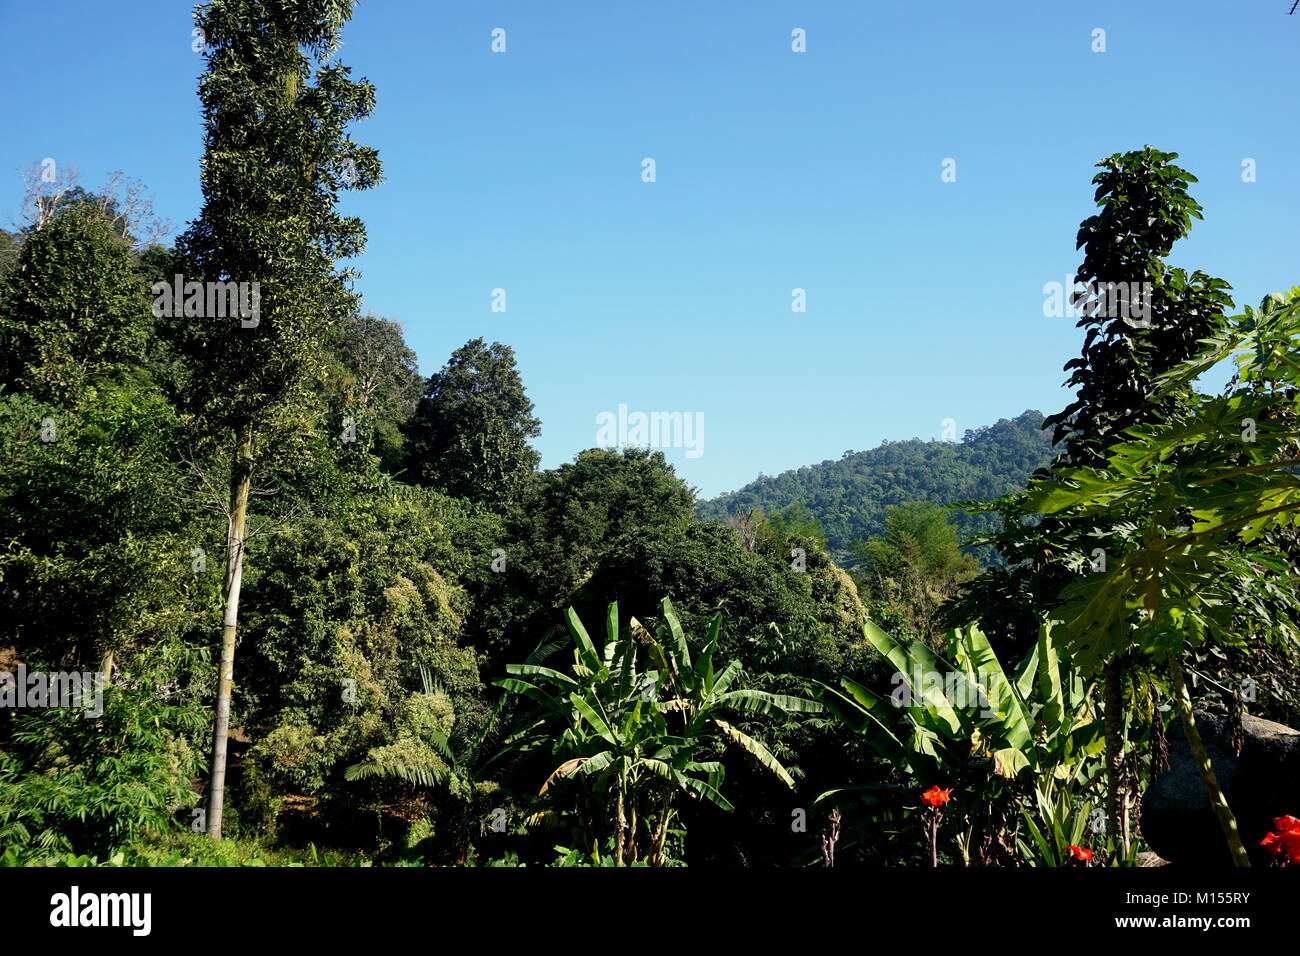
760 752
594 719
681 652
586 647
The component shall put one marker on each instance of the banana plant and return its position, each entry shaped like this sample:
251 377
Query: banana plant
1039 719
630 724
968 724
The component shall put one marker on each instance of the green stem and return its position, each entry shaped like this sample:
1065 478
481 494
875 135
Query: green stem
1218 801
1113 709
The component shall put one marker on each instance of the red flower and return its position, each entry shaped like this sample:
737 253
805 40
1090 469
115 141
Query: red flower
1285 839
1080 853
1291 841
934 797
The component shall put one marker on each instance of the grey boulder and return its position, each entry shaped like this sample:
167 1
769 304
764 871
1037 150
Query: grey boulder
1261 783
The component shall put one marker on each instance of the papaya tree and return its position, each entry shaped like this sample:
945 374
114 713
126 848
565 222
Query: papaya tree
1205 488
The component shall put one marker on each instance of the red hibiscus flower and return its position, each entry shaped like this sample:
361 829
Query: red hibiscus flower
1080 853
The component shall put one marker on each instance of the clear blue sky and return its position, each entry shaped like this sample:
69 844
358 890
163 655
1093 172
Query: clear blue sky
775 170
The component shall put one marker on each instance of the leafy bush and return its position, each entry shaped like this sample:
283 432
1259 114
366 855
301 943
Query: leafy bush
75 783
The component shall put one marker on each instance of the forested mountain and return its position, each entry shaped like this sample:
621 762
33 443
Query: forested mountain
848 497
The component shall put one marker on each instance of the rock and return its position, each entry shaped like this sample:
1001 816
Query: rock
1260 784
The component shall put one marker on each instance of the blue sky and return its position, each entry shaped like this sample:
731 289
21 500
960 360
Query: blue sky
775 170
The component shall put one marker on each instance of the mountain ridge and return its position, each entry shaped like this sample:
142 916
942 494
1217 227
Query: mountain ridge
849 495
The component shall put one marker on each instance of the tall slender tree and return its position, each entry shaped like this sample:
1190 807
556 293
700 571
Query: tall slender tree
277 153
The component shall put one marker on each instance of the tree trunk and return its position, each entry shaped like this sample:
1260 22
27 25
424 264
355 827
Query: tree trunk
621 828
632 840
1116 798
661 832
1218 801
240 482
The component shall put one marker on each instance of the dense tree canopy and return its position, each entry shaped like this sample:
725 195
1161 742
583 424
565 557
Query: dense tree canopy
469 435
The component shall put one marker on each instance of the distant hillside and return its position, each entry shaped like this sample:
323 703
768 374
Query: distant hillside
849 496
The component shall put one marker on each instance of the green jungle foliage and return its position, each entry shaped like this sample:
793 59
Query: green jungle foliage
408 606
